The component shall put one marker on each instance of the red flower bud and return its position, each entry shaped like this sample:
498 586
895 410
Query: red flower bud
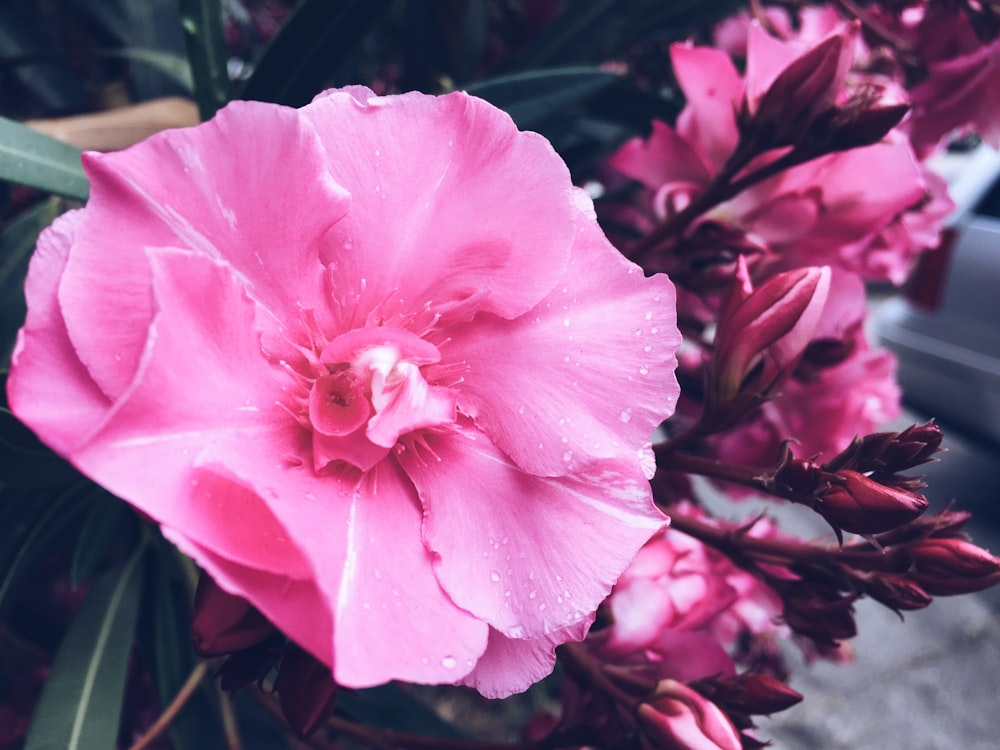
819 612
896 592
677 716
763 332
953 566
750 693
862 506
306 692
805 89
223 622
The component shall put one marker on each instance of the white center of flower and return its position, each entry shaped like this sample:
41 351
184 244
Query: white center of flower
370 391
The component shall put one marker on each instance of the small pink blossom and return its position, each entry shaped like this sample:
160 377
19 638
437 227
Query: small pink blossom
373 365
678 717
827 403
681 608
818 212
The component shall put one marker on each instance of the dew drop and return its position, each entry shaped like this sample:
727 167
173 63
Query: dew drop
566 322
626 415
532 594
495 576
568 456
644 370
377 152
449 662
654 329
520 410
649 316
647 349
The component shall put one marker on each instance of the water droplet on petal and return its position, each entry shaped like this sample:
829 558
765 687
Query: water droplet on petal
449 662
495 576
626 415
644 370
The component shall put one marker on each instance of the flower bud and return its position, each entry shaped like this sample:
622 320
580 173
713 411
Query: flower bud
953 566
677 716
819 612
890 452
806 88
306 692
763 332
223 622
860 505
896 592
750 693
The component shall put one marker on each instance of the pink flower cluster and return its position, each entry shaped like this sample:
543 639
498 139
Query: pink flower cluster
370 363
683 610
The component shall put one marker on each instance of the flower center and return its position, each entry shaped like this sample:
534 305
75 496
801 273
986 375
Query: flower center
370 390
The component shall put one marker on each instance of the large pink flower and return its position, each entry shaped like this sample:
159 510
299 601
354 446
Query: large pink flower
373 365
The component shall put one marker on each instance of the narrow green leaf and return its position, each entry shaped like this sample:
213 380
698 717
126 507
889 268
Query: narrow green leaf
173 66
206 45
36 160
99 529
310 47
81 703
42 525
16 244
531 98
391 707
166 648
25 461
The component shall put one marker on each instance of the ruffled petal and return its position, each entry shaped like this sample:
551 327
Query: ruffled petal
529 555
512 665
588 374
286 602
187 189
436 182
713 89
393 620
64 411
200 379
662 158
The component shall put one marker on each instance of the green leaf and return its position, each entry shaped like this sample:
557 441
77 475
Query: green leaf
166 649
25 461
81 703
531 98
99 529
391 707
310 47
36 160
173 66
16 244
39 525
206 45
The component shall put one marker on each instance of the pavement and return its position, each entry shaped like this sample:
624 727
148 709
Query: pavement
933 681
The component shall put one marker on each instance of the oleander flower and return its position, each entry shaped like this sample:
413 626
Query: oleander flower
373 365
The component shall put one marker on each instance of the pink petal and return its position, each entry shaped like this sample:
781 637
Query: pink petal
201 378
48 388
393 620
713 89
185 189
529 555
287 603
661 158
436 181
588 374
767 56
512 665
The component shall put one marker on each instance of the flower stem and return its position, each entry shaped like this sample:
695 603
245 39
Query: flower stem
171 711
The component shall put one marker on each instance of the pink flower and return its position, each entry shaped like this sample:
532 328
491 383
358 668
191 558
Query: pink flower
850 389
373 365
682 609
678 717
817 212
